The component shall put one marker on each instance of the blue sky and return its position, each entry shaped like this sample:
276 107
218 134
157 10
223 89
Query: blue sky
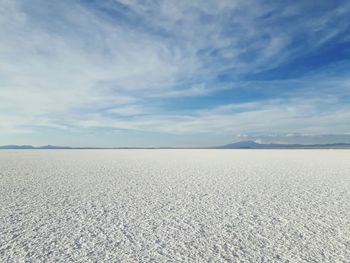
174 73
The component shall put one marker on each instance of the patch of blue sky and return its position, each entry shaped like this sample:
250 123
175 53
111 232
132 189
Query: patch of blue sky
212 68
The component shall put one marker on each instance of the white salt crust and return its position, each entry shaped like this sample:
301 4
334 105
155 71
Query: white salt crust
175 206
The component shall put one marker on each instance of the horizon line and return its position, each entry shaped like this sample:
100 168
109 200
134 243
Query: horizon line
236 145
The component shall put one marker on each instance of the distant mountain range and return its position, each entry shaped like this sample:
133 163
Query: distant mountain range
237 145
30 147
255 145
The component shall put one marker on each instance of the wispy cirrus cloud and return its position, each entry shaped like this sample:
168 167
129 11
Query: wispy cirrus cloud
218 67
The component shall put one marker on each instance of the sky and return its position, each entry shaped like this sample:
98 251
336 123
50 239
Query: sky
112 73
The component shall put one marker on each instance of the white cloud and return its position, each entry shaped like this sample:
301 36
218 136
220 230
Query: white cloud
297 115
129 110
66 66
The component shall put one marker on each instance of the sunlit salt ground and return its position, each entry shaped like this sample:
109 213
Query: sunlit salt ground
175 206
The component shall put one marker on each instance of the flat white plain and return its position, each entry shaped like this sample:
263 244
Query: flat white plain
175 206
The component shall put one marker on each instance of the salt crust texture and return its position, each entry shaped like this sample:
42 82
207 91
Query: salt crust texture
175 206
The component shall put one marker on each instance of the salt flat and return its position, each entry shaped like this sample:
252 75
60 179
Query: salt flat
175 206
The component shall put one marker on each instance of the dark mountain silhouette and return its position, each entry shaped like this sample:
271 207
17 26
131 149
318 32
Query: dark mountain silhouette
17 147
255 145
30 147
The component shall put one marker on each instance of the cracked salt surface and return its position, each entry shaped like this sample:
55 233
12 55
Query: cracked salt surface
175 206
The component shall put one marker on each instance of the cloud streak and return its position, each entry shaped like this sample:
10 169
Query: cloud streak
218 67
